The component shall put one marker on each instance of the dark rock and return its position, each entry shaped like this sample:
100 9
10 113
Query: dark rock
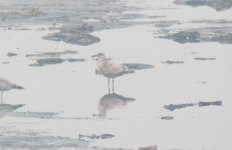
216 103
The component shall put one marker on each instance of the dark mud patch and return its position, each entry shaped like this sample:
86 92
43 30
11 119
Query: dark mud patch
224 39
79 32
54 61
94 136
12 140
173 107
6 109
78 18
216 21
201 58
75 60
11 54
79 38
52 54
185 37
221 35
47 61
136 66
170 62
167 118
219 5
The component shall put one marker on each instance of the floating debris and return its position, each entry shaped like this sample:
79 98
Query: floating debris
216 103
169 62
201 58
152 147
173 107
167 117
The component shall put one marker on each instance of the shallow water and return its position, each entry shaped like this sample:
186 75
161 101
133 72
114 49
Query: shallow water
65 99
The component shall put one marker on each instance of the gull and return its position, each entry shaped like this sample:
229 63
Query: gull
6 85
109 69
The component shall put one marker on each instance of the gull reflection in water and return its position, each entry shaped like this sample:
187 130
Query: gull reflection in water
111 101
6 109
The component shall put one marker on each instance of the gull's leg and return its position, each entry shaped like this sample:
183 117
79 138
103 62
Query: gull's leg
113 84
109 85
1 97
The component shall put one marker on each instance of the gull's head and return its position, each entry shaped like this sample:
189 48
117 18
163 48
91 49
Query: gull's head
99 56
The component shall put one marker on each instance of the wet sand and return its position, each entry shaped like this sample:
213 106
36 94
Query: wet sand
66 105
